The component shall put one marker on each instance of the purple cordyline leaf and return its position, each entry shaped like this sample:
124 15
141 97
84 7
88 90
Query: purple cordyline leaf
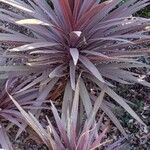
83 21
74 113
40 31
84 138
85 98
12 119
113 76
125 8
77 5
57 72
115 145
75 55
114 119
74 37
56 136
135 8
65 7
94 135
80 116
137 80
46 8
120 101
117 98
95 53
45 52
34 82
45 91
60 126
38 127
32 22
123 65
25 82
100 55
32 46
67 102
28 118
59 13
72 74
91 67
5 142
118 75
18 38
12 14
42 63
4 76
112 39
86 5
14 68
98 139
102 14
71 3
18 4
96 107
53 144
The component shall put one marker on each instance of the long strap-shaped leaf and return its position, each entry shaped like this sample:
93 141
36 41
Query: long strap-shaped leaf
91 67
118 99
4 139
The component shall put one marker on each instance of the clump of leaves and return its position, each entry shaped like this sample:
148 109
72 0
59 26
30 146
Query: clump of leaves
73 36
9 114
76 132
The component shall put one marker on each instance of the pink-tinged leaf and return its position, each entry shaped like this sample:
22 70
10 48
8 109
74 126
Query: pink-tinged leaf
98 139
86 6
77 5
91 67
65 7
75 55
83 140
83 21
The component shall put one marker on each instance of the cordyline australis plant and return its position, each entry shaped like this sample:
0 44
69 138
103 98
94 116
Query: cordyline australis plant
9 112
74 134
57 41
